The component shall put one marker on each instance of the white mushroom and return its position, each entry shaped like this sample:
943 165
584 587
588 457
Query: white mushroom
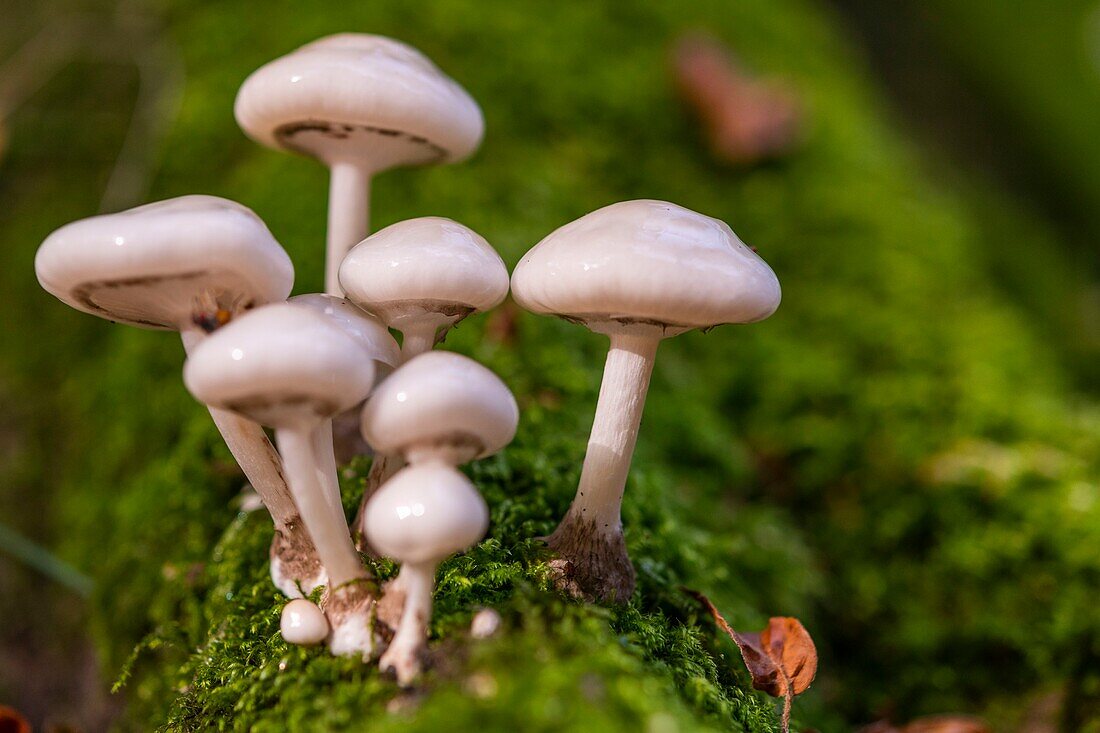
441 406
361 104
422 276
421 516
638 272
291 368
303 623
189 264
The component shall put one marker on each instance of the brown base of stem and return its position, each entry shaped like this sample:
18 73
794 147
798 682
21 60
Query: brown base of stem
294 559
392 604
592 563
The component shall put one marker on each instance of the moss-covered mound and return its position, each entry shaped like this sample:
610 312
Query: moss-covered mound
894 457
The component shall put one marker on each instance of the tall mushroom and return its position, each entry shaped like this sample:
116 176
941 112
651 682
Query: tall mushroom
421 516
421 277
244 367
189 264
361 104
638 272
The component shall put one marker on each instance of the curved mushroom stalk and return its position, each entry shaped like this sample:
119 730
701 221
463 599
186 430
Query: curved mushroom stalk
420 517
349 601
296 569
638 271
590 537
243 367
190 264
402 656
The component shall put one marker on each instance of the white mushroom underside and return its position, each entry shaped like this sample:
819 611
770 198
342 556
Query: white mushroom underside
375 148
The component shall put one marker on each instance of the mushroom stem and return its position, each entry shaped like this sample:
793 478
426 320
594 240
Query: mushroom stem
348 217
403 653
590 536
253 452
416 340
295 568
615 428
326 469
321 512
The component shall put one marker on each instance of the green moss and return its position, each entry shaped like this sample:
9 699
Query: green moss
555 663
895 457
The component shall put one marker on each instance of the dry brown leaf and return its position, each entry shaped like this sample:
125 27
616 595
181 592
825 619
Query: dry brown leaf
782 658
746 120
11 720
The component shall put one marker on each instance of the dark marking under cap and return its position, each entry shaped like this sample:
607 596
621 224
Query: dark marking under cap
85 292
342 131
250 404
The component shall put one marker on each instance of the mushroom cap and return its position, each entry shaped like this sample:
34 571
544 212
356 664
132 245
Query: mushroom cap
150 266
424 514
354 96
649 263
303 623
280 365
426 267
440 398
367 330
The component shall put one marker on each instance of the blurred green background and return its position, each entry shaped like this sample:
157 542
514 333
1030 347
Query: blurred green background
906 456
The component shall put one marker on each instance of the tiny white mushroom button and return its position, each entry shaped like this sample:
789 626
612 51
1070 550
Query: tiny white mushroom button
303 623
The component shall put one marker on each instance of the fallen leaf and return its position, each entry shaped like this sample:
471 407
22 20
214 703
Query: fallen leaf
745 120
782 658
11 721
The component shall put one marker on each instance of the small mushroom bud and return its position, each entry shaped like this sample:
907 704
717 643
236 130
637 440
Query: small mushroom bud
420 517
244 367
485 623
639 272
190 264
303 623
360 104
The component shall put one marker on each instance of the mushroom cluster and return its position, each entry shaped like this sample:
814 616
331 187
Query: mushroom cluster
209 268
